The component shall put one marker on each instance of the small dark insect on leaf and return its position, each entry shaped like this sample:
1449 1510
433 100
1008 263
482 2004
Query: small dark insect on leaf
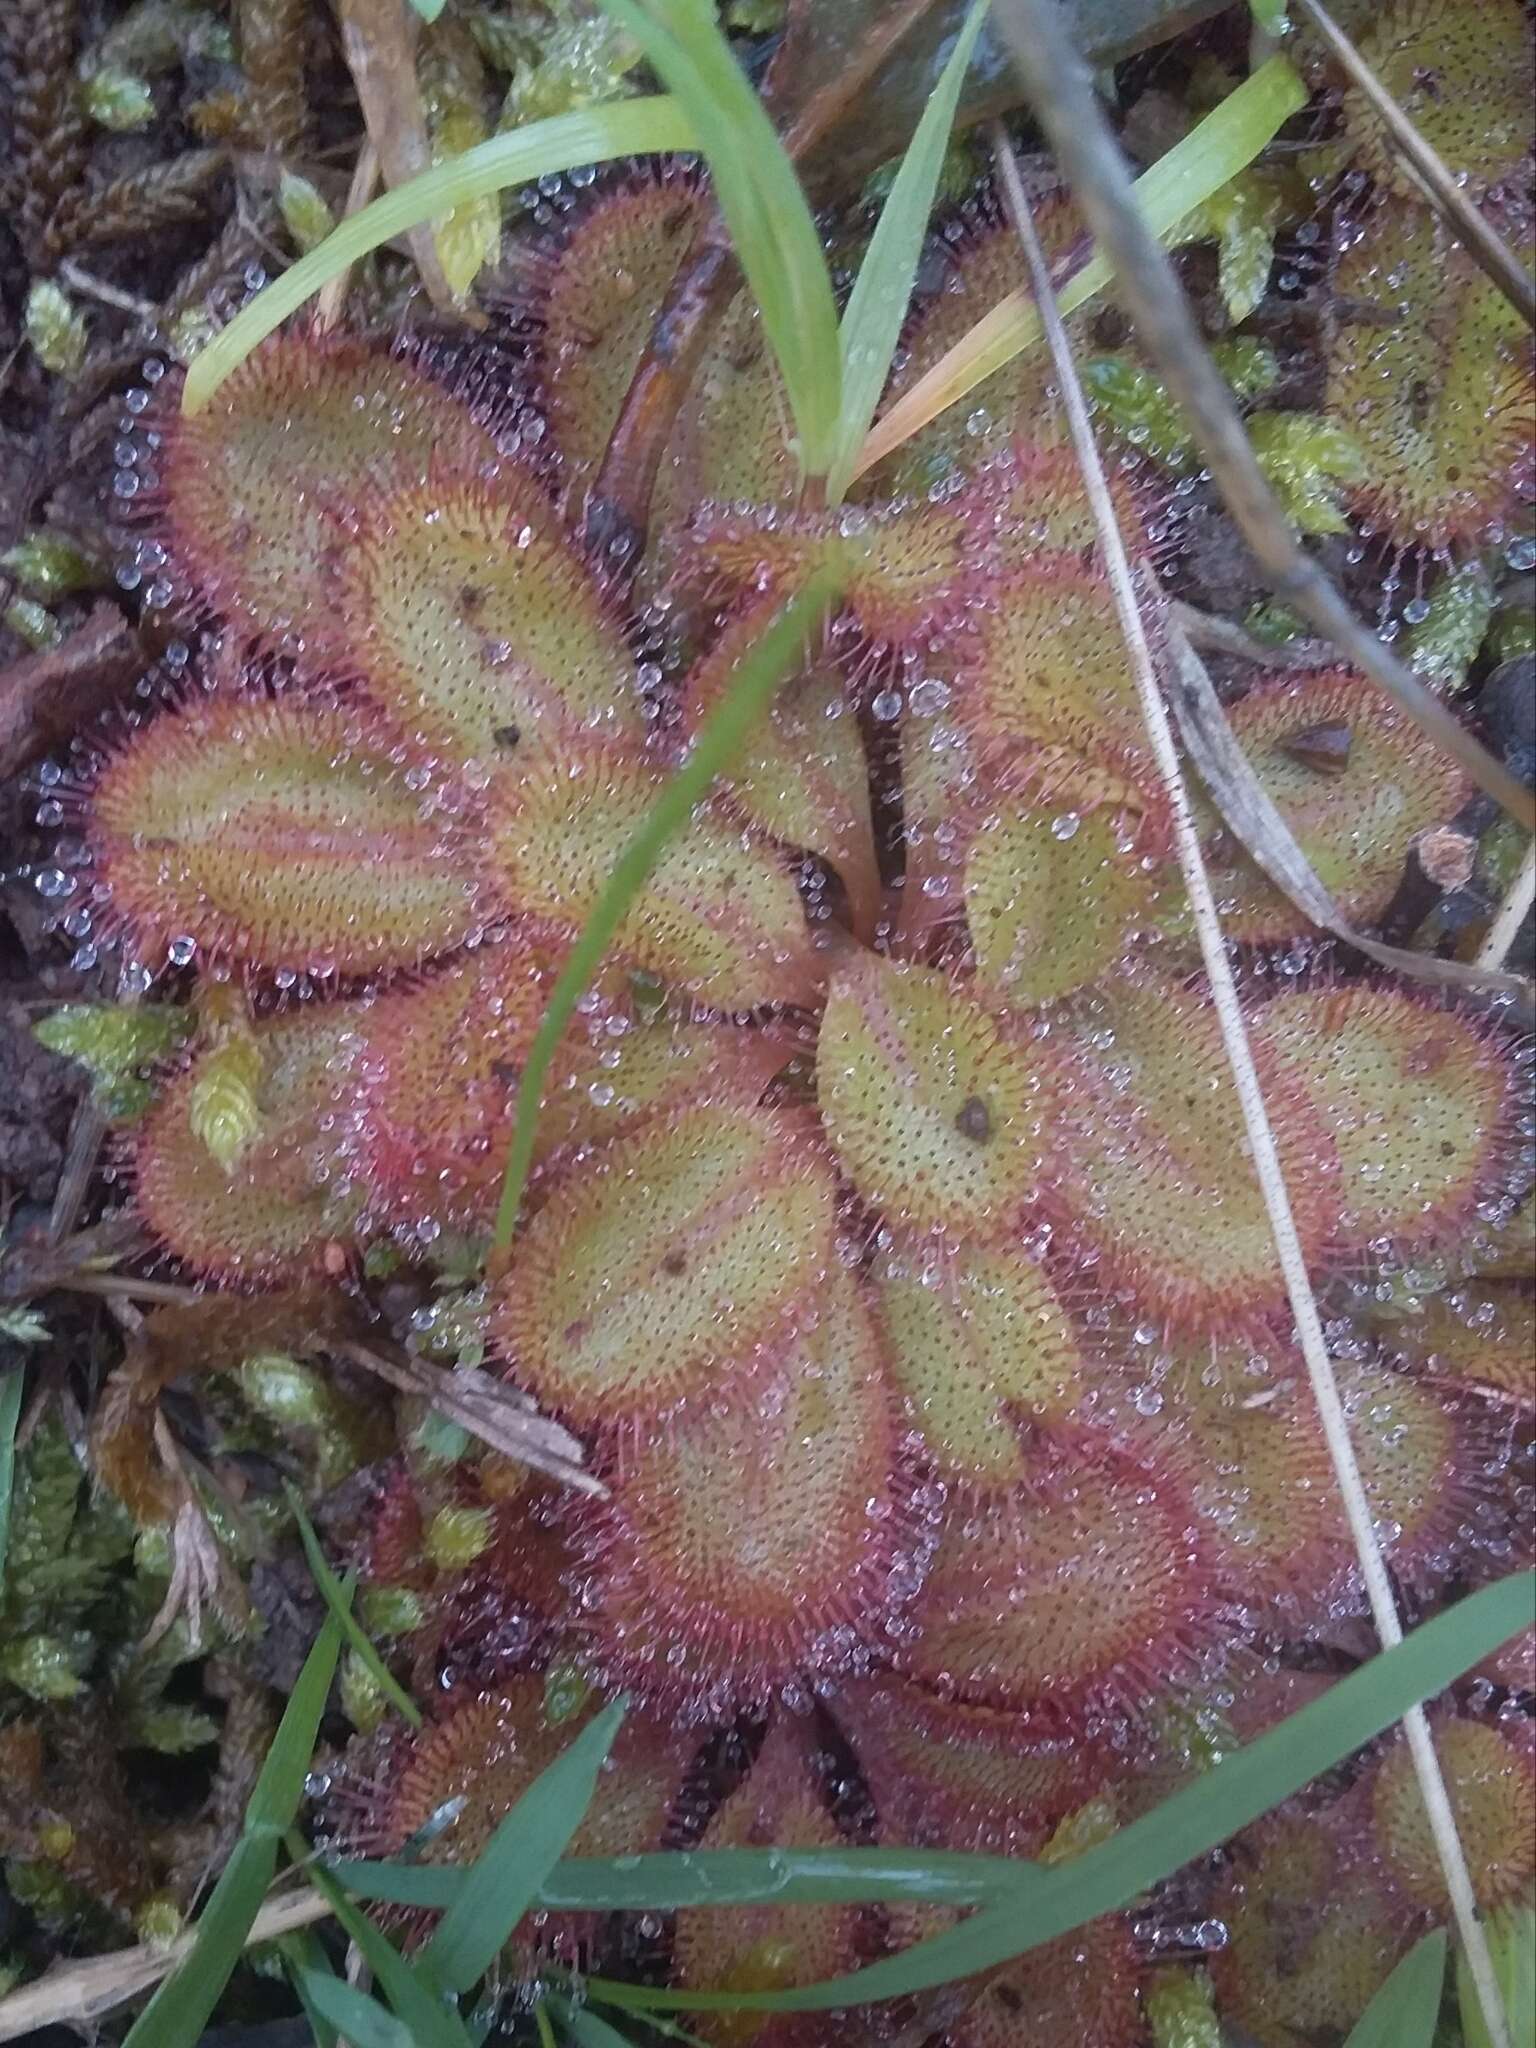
974 1120
1323 747
506 737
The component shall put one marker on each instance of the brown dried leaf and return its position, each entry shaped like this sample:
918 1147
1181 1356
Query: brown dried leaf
50 138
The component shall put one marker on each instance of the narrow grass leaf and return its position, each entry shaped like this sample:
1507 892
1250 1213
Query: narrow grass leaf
362 2019
335 1599
1406 2010
302 1953
504 1881
1224 143
719 740
1190 1824
10 1415
587 2028
180 2009
664 1882
871 324
760 195
591 135
1512 1938
413 1988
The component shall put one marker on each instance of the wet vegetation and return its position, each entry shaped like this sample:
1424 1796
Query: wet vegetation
882 1375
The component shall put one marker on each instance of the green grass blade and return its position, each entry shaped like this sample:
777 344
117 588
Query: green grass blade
587 2028
871 324
665 1881
1224 143
1512 1937
362 2019
719 741
1406 2010
301 1952
413 1988
180 2009
634 127
765 209
1190 1824
339 1605
10 1415
504 1881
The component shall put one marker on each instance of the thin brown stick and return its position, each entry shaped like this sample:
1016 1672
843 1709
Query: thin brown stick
333 293
1476 235
1257 1126
82 1993
378 40
1061 91
1512 913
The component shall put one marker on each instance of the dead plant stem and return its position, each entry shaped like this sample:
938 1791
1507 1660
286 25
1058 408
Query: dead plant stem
1512 913
1260 1133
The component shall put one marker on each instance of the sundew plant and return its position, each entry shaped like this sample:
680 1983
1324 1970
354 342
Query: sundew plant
845 1152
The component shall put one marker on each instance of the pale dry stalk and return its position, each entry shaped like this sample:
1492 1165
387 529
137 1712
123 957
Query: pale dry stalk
1250 1095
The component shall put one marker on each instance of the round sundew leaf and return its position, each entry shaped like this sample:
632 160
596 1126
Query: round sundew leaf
1045 690
1085 1988
1312 1935
718 919
1031 501
939 783
1438 393
284 832
1051 909
1428 1470
767 1948
1356 781
909 570
472 619
288 1207
1243 1430
946 1776
485 1751
599 297
1477 1337
1072 1597
438 1070
1418 1099
803 776
1148 1171
979 1347
306 428
621 1080
671 1263
1022 396
1460 70
732 437
757 1533
1490 1773
934 1115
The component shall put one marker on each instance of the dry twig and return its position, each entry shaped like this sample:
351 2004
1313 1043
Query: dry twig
1026 18
80 1994
1145 281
